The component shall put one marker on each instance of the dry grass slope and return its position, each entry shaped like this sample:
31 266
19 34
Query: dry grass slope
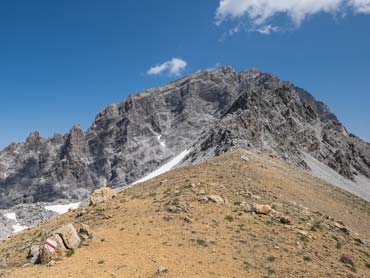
165 223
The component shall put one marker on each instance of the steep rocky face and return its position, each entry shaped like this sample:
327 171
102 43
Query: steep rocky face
278 117
44 170
132 138
210 112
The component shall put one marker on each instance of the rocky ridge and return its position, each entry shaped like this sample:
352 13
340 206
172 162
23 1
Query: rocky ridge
208 113
243 214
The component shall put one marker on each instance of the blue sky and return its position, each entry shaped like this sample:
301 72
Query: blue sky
61 62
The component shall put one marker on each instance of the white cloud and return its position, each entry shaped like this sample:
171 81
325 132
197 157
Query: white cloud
261 13
267 29
173 67
361 6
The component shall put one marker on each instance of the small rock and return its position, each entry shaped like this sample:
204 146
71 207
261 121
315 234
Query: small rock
51 263
215 199
285 220
262 209
102 195
174 209
245 158
251 195
167 218
202 192
347 259
187 219
162 269
34 254
85 231
302 233
81 213
277 206
357 238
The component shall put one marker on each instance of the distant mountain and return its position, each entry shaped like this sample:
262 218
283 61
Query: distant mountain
207 113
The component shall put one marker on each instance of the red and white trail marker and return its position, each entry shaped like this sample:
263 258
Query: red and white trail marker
50 245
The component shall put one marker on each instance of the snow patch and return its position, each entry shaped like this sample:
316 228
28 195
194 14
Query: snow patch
11 216
18 228
161 142
360 188
60 209
164 168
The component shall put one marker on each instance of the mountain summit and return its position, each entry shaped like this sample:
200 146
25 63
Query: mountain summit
207 114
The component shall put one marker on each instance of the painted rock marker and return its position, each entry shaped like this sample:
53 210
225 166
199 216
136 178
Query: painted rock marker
50 245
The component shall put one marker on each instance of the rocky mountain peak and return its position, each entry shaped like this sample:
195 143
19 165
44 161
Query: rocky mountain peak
34 138
207 113
76 137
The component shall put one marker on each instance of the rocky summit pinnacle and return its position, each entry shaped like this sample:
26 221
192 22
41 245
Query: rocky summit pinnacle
207 113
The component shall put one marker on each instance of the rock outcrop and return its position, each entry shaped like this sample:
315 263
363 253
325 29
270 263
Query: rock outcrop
102 195
210 112
59 243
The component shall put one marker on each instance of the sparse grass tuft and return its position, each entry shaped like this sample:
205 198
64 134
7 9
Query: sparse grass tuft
307 258
317 225
339 245
70 252
229 218
202 242
246 265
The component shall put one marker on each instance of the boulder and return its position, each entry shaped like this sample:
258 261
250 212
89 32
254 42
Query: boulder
61 248
52 249
102 195
69 236
45 255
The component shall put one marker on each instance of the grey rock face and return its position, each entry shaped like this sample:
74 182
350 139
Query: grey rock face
211 112
278 117
26 215
32 214
5 227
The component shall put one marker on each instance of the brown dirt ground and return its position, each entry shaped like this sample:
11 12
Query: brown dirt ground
135 234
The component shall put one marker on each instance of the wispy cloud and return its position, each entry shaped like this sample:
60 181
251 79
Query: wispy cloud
261 14
267 29
173 67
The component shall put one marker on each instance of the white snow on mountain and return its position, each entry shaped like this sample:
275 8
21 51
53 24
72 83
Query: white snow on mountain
11 216
163 143
164 168
360 187
16 227
60 209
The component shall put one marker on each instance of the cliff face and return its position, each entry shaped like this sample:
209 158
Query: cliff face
278 117
210 113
